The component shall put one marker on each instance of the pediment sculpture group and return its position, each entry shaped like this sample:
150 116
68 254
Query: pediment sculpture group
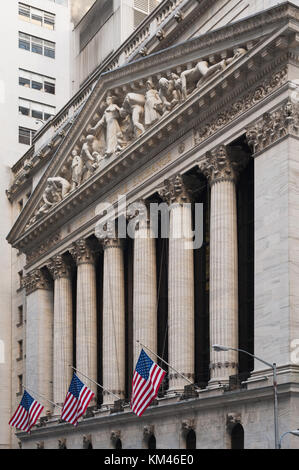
120 125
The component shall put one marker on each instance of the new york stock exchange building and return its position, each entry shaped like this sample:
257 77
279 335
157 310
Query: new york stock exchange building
191 126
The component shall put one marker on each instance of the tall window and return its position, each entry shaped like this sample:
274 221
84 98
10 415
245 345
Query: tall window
26 135
35 110
36 45
37 82
237 437
36 16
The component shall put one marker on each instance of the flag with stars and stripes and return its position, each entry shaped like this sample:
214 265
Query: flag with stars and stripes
26 414
147 379
77 401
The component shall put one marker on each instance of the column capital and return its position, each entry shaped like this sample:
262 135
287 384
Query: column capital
58 267
108 238
35 280
82 252
175 190
222 164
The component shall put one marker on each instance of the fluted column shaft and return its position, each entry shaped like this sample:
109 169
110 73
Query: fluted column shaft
180 285
39 336
86 314
222 167
62 330
223 279
113 321
145 290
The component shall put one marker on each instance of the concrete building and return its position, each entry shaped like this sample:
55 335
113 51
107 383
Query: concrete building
198 105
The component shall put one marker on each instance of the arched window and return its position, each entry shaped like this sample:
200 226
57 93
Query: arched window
237 437
191 440
152 442
118 444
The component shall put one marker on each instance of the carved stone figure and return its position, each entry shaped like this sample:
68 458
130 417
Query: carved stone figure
152 102
109 121
204 70
77 170
165 95
199 73
133 106
90 162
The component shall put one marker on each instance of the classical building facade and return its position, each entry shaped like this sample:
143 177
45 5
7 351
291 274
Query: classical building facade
196 115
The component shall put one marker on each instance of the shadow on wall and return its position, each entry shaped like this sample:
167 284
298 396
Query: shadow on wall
79 8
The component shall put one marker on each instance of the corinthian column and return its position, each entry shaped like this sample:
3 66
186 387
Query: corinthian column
221 169
63 329
39 334
180 284
86 321
145 280
113 320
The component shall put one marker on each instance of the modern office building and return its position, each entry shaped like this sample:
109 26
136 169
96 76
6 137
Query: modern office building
194 113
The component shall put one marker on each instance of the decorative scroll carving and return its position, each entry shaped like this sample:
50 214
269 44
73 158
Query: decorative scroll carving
248 101
222 164
82 252
37 279
273 126
58 268
175 191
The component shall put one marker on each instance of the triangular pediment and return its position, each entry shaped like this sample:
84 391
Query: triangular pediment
135 110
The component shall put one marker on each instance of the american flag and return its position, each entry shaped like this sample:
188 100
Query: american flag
27 413
147 379
76 402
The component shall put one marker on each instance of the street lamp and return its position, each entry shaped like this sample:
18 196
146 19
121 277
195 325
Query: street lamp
294 433
218 347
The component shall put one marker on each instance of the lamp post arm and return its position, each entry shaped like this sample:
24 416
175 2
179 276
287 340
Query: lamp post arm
252 355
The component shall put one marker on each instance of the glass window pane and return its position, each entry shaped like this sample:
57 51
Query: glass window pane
37 19
24 82
24 136
47 116
24 110
23 44
49 52
37 48
49 21
37 85
24 12
49 88
37 114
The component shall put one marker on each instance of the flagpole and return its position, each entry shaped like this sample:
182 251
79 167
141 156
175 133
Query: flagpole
101 386
38 394
137 341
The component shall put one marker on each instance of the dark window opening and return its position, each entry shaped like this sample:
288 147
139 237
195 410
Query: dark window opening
118 444
152 442
191 440
237 437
